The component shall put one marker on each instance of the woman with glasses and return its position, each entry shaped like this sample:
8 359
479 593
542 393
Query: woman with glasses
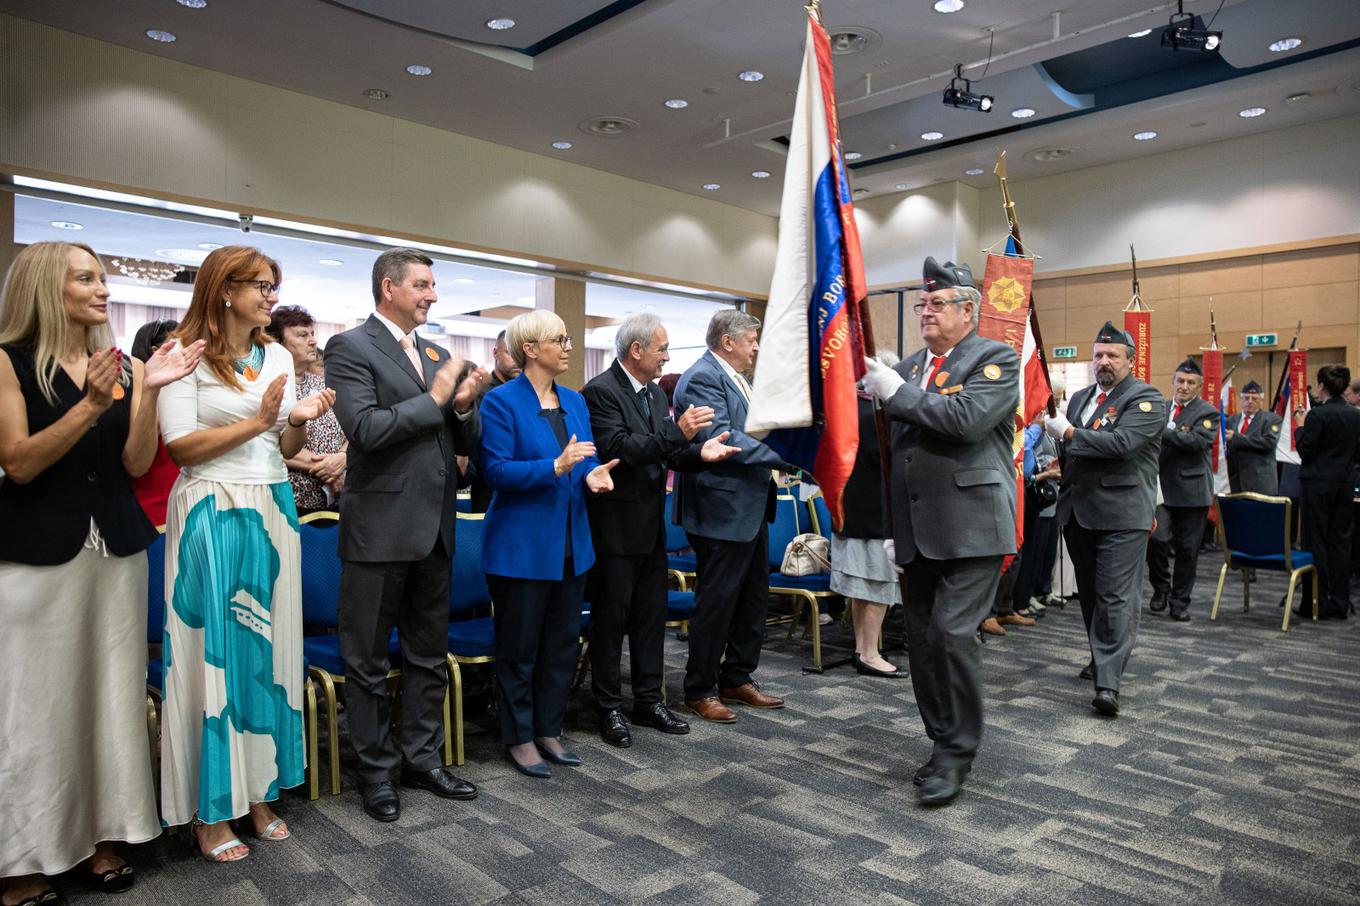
232 719
538 459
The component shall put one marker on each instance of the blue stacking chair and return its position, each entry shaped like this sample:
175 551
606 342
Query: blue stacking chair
155 635
463 503
821 516
681 566
791 518
472 638
1253 531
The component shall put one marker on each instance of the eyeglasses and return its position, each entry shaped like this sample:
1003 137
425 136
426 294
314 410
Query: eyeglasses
564 340
935 306
264 286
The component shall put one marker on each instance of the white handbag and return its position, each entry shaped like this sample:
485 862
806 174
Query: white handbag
806 555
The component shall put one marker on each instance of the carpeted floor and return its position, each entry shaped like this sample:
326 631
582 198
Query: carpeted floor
1232 776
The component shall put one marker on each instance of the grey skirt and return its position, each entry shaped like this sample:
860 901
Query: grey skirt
860 569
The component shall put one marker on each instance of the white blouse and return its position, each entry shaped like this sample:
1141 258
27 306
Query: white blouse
201 400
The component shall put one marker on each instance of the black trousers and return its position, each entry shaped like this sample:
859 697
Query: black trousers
538 628
1040 538
946 600
1328 516
628 597
728 624
413 598
1109 570
1180 532
1048 558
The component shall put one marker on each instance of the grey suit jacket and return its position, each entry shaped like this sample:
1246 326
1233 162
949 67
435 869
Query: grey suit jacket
732 498
401 485
953 470
1186 460
1251 456
1109 480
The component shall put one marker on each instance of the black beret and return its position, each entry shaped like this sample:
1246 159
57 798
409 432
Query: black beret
1252 387
1189 366
936 277
1111 334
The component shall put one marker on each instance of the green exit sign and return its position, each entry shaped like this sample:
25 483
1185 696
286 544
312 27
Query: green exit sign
1256 340
1064 352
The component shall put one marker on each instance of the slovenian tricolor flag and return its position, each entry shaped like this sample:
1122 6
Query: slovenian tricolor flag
812 348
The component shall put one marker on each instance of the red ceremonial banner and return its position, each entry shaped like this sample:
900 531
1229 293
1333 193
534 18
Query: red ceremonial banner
1005 300
1298 392
1210 390
1139 326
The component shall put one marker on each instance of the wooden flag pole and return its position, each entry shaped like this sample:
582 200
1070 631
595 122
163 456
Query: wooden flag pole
1013 222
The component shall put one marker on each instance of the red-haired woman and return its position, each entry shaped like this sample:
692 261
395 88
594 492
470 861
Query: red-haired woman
232 725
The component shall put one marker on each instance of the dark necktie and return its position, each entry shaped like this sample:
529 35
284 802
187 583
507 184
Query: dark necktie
646 404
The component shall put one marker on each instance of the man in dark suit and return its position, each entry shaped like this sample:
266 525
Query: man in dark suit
952 408
503 371
1113 431
1251 440
405 420
1329 451
628 416
1187 476
725 511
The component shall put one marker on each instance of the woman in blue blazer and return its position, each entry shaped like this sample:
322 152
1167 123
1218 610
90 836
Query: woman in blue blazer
538 459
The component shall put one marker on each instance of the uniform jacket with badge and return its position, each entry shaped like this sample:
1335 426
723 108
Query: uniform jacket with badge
953 471
1251 453
1109 480
1186 460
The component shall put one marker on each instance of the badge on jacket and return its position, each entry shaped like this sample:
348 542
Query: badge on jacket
1144 406
1208 423
941 378
433 356
992 372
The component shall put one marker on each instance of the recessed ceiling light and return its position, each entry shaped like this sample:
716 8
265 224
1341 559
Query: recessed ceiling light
761 174
463 280
853 155
1146 136
677 103
418 69
1302 97
1251 112
67 225
161 36
1141 34
377 94
193 4
902 185
562 146
1022 113
750 75
209 246
712 186
330 262
974 171
500 24
948 6
1285 44
932 136
184 256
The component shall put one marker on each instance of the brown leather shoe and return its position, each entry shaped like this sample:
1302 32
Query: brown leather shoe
750 694
712 709
992 627
1015 619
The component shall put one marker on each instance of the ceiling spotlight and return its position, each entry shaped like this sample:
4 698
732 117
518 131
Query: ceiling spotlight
974 171
963 98
162 37
376 94
902 185
67 225
1285 44
562 146
1251 112
1146 136
193 4
712 186
500 24
932 136
750 75
1022 113
677 103
1302 97
330 262
948 6
416 69
853 155
1181 31
761 174
1141 34
210 246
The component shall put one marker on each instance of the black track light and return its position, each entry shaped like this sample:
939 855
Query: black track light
963 98
1182 32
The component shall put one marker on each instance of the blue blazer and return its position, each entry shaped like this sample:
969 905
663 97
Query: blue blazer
531 509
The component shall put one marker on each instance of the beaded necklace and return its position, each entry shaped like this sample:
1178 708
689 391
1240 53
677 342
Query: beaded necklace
249 367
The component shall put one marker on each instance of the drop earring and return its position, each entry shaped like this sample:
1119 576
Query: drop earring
228 303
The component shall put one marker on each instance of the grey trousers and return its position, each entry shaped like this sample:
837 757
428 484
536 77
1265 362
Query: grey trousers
1109 571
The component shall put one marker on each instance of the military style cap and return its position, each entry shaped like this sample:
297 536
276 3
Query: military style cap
1111 334
1189 366
937 276
1252 387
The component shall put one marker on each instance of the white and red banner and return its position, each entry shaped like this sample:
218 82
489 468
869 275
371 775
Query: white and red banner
1292 405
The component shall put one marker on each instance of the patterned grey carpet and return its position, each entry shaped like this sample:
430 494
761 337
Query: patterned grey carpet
1233 776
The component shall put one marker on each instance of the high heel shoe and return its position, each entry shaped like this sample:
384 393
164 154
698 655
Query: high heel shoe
218 853
539 770
567 758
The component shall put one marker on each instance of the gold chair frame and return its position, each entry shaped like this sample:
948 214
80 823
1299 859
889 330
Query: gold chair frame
1294 572
453 746
803 596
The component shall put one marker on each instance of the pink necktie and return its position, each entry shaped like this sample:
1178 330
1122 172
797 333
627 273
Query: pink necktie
409 347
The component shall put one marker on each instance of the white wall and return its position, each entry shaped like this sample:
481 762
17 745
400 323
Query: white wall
898 231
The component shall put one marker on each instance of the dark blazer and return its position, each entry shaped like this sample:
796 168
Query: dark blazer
731 499
1251 455
629 519
401 483
1185 463
862 498
1329 443
1109 480
953 470
532 510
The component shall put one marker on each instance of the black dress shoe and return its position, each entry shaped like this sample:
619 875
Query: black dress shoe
1089 671
613 730
941 787
1106 702
567 758
115 880
864 669
380 800
439 781
1180 616
924 771
659 717
1157 604
539 770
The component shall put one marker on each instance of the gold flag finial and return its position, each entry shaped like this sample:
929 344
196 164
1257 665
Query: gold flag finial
814 9
1136 302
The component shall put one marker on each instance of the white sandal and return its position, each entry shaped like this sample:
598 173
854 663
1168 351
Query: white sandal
268 832
215 856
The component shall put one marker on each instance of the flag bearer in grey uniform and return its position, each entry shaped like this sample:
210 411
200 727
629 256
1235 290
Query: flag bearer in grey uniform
1252 438
1113 432
1186 470
952 409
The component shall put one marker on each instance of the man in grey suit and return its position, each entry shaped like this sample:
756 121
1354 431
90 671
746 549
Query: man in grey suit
1252 438
725 511
1187 476
1113 431
405 420
952 409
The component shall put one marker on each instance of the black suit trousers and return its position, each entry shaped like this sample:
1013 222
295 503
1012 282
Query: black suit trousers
413 598
628 597
728 624
1328 516
1180 531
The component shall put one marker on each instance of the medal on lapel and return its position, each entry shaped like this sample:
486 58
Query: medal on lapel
431 354
941 378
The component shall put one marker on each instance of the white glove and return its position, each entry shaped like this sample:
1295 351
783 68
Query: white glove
880 380
1056 425
890 548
